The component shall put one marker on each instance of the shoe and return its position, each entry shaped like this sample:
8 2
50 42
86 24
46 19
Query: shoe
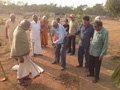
69 52
22 83
78 66
55 62
89 75
72 54
62 68
40 55
95 80
35 55
86 70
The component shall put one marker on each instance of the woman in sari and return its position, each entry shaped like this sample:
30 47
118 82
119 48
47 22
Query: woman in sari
116 77
44 31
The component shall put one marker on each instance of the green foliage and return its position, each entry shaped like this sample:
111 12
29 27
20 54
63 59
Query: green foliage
113 6
79 16
98 9
26 16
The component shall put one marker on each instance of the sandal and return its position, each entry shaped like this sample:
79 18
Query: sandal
22 83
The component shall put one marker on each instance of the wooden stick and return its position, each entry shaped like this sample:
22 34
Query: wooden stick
5 77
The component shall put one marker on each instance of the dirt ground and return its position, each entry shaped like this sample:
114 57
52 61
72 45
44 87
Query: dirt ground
72 78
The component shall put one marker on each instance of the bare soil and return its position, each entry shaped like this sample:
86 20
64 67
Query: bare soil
72 78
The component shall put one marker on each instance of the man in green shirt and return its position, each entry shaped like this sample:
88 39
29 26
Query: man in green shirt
97 50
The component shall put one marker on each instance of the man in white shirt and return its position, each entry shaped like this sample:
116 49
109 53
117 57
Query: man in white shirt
10 26
61 43
35 36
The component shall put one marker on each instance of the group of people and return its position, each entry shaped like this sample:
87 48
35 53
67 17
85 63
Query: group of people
38 32
93 43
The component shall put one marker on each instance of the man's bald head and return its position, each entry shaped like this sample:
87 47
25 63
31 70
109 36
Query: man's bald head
12 17
54 24
25 24
35 18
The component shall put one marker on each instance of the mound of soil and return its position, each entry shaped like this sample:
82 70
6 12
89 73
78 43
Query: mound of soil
66 78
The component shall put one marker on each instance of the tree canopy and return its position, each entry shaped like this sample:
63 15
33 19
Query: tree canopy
113 6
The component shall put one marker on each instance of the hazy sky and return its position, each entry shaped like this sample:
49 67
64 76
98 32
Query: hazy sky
74 3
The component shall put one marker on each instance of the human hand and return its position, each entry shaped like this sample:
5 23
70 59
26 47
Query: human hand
21 60
6 36
53 44
32 40
69 35
101 58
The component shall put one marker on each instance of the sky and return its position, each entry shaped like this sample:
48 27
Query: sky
74 3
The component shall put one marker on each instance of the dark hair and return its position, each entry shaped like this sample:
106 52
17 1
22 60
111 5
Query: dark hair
87 18
98 23
58 19
66 20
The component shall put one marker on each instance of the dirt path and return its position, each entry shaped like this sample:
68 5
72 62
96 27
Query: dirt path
54 79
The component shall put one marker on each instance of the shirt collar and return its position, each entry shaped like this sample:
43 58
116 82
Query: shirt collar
87 25
100 30
35 22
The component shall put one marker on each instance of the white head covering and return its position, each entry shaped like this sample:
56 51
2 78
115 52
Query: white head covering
44 16
98 18
54 22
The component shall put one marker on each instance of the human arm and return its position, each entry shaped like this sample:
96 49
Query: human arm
105 45
61 36
6 29
76 33
78 30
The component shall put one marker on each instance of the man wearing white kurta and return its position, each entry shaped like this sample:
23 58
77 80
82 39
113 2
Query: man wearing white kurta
10 26
35 36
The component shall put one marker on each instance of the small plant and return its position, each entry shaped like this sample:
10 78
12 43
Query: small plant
48 16
2 21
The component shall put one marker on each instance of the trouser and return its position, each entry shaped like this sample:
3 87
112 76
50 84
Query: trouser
81 52
71 41
61 51
94 66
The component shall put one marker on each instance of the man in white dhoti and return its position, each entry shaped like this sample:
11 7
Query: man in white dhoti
10 26
20 49
35 36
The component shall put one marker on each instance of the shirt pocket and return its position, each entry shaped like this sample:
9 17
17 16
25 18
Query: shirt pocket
98 38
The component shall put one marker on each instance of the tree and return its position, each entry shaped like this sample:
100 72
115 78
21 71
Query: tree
98 9
113 6
80 8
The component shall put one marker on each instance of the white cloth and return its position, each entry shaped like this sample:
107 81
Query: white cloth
35 37
28 67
